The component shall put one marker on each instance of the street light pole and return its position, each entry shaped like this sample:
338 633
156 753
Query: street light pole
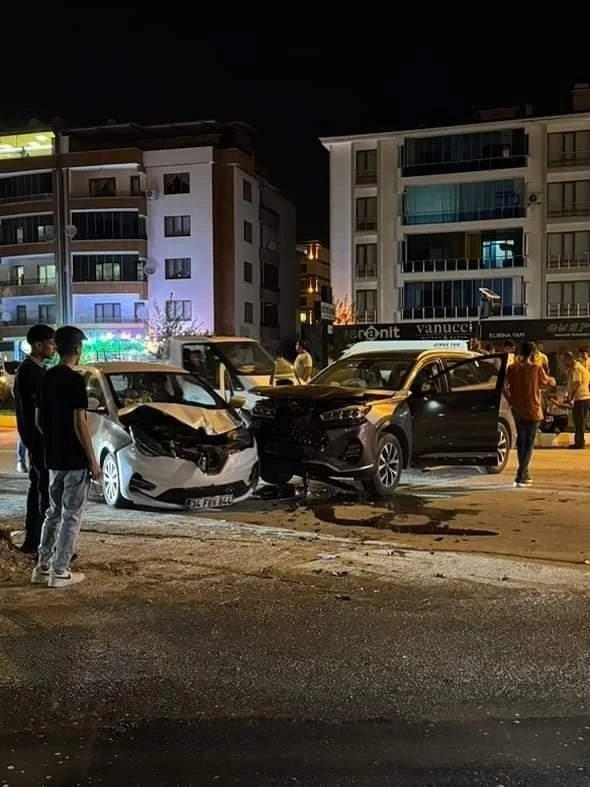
63 236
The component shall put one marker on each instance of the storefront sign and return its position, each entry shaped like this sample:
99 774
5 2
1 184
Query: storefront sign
349 334
535 330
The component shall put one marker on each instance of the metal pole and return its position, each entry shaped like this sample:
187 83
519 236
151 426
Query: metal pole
63 293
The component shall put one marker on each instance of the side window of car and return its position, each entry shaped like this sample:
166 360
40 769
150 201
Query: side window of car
475 374
429 372
94 388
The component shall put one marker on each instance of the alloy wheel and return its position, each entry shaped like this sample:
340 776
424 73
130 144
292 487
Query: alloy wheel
110 480
388 465
502 446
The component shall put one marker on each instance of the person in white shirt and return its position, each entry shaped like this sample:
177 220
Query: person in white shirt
510 350
303 363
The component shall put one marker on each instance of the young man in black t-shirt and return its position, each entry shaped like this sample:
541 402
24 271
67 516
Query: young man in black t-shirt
27 387
70 460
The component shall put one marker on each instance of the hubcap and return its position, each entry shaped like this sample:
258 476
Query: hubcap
388 465
110 480
502 447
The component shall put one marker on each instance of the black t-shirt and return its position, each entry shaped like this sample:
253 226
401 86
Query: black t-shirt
27 388
63 393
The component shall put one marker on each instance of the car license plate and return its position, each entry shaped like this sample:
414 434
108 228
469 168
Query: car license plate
209 502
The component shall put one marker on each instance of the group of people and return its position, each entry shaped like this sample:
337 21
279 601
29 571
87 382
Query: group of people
527 374
51 405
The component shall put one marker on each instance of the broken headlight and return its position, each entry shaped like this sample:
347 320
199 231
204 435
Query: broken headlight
346 416
265 409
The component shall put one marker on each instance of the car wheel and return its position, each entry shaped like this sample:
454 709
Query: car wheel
111 482
503 450
387 470
275 474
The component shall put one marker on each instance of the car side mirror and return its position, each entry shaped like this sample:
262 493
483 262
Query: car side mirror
94 406
237 402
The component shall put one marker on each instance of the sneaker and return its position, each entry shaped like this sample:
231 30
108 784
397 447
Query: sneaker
527 482
64 579
21 467
40 575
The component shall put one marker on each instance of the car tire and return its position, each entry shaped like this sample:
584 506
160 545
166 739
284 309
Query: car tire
111 482
504 446
387 470
275 474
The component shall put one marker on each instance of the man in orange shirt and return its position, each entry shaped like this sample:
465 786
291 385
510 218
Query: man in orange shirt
524 380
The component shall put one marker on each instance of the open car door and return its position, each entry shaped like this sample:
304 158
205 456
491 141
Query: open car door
455 415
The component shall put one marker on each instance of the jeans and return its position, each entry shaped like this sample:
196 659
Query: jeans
68 492
526 431
579 418
37 499
21 452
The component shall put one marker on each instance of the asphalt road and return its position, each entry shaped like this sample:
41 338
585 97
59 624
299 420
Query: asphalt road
268 682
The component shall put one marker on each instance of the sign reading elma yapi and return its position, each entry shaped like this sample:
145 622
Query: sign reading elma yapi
536 330
408 331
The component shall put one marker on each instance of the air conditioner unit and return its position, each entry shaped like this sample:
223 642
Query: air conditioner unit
152 194
536 198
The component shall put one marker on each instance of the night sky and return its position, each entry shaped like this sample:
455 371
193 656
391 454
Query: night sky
87 66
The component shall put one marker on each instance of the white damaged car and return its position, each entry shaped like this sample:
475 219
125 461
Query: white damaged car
166 439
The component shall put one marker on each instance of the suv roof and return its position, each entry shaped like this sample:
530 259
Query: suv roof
416 354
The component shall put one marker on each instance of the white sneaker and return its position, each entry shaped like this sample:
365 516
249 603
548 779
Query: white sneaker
21 467
40 575
64 579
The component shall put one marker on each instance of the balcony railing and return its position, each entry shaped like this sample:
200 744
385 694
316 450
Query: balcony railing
575 209
412 170
366 177
458 312
561 262
88 319
575 158
366 315
365 272
568 310
24 282
19 321
26 198
77 194
461 264
366 224
454 216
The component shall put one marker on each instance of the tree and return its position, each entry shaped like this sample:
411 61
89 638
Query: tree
344 312
161 327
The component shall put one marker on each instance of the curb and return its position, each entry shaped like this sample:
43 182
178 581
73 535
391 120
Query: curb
7 421
561 440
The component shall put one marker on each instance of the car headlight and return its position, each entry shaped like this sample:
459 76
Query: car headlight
346 416
265 410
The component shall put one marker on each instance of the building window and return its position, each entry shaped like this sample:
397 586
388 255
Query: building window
26 229
570 148
569 199
178 268
47 313
108 271
270 277
21 315
246 190
107 312
568 250
454 202
109 224
179 310
366 261
366 166
177 226
366 305
102 187
177 183
248 313
460 298
21 188
248 272
248 232
135 185
107 267
366 214
568 299
139 311
46 274
270 315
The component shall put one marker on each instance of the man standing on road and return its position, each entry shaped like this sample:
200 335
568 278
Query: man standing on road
303 363
578 396
70 460
27 387
524 380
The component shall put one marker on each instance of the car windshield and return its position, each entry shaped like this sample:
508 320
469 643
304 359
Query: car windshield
246 357
131 388
360 371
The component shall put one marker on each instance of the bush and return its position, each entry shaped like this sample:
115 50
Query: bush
6 394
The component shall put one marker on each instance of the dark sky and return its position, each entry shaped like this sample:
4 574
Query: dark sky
90 65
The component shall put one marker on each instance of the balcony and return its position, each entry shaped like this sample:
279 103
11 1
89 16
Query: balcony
112 287
577 158
26 286
366 224
365 272
92 319
569 262
507 161
366 316
106 201
458 312
366 177
568 210
461 264
568 310
454 216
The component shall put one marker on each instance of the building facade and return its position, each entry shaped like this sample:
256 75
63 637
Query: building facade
422 219
98 226
314 278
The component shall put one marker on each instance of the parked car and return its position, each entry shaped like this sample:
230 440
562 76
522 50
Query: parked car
165 438
369 415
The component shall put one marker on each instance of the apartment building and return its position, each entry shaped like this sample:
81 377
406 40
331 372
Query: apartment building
314 280
422 219
98 225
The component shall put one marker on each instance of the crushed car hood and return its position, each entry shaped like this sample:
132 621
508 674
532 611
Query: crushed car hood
327 393
212 422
